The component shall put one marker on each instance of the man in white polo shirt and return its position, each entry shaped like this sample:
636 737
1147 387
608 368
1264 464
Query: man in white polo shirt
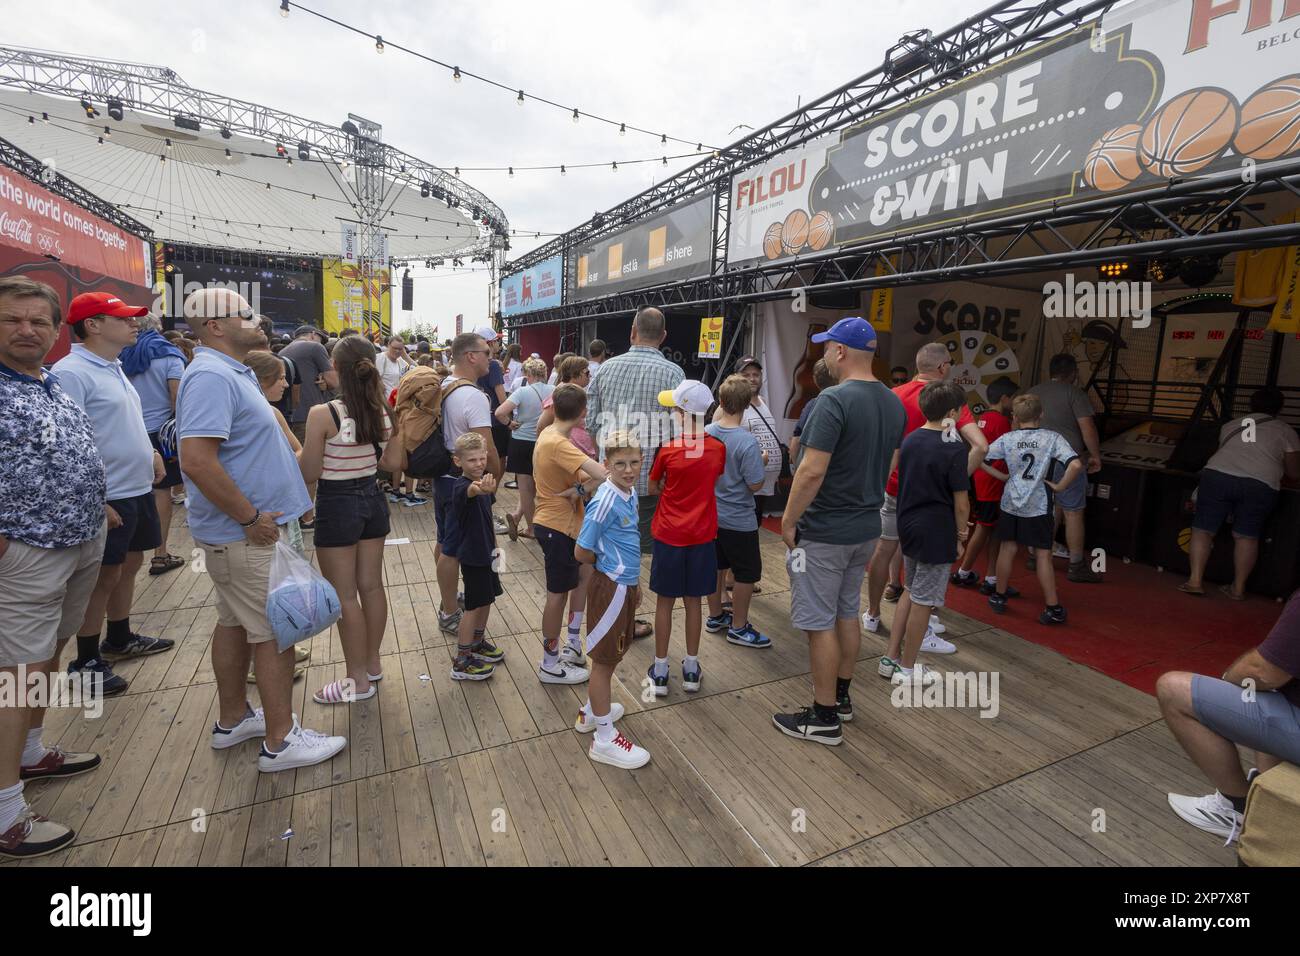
102 326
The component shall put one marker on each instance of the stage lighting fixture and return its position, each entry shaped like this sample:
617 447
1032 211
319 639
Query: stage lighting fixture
1162 270
1199 271
182 121
350 128
101 141
280 150
45 117
91 112
31 120
225 133
108 133
424 190
304 151
115 110
1120 269
167 142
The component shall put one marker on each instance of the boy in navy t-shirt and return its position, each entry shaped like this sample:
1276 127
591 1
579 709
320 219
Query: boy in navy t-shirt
933 507
471 504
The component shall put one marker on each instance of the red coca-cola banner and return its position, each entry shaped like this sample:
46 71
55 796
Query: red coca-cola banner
35 220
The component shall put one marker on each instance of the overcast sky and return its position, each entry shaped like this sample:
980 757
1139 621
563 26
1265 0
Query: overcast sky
694 70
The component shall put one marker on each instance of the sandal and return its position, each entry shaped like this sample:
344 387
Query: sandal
333 693
298 671
301 654
1188 589
512 526
1226 589
165 563
642 628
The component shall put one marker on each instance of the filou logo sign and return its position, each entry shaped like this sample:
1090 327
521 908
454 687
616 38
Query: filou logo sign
770 184
78 909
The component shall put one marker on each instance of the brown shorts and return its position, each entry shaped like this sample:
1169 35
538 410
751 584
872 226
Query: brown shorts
611 618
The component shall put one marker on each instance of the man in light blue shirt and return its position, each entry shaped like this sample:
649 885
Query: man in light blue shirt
243 482
102 326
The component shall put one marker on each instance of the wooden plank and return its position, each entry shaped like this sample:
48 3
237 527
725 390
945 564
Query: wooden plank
416 824
225 838
269 833
498 838
377 836
453 815
168 773
310 820
343 825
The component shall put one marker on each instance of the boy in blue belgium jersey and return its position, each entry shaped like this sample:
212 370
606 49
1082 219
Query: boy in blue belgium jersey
471 504
1027 498
610 540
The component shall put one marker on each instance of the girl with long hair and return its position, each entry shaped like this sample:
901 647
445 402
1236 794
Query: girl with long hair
347 441
520 411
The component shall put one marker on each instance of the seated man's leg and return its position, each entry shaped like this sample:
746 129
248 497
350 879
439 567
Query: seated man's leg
1214 753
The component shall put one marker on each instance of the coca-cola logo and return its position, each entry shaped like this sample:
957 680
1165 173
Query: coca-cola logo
20 230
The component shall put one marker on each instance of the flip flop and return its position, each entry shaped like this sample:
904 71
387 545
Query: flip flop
332 693
165 563
298 671
1226 589
512 526
642 628
1188 589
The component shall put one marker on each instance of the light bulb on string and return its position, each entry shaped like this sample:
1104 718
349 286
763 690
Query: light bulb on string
379 43
622 129
455 74
563 172
284 8
108 133
614 166
575 114
520 98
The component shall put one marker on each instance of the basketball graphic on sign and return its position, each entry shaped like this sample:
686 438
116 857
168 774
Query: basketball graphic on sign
1112 163
820 231
794 231
1188 133
978 360
1270 121
772 241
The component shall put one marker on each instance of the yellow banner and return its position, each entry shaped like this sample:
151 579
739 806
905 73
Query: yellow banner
881 311
711 337
1286 314
350 302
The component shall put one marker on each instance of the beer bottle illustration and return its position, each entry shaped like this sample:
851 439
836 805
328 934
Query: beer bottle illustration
802 388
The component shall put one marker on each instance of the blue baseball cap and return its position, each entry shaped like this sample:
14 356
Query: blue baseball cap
855 332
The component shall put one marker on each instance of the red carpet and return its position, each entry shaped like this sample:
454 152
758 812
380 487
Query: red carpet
1133 627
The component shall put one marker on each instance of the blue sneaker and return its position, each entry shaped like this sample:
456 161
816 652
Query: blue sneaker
691 679
660 683
716 625
747 636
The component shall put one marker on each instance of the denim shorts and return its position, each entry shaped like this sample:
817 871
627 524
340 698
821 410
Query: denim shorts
349 511
1248 501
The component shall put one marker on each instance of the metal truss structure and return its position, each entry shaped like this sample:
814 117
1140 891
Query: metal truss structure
160 92
1146 223
57 183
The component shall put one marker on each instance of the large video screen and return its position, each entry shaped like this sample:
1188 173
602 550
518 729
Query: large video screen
290 297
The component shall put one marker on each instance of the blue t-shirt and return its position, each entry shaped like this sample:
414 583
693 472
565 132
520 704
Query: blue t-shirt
528 401
473 516
105 394
803 415
609 529
155 395
220 398
490 380
744 468
1029 453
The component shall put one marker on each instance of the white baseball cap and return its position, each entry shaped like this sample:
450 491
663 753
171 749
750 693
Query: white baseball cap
487 333
691 396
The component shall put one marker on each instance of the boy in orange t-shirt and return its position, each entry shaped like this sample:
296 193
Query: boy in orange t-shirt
685 561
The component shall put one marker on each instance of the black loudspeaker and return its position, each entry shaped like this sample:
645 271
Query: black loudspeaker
408 292
836 300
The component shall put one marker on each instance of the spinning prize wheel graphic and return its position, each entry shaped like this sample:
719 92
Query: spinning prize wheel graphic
978 360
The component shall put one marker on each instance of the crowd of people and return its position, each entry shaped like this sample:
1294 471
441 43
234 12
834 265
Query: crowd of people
615 457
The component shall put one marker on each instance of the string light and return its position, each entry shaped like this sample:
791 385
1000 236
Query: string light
455 75
379 43
168 142
563 172
520 98
663 139
512 171
575 114
229 155
45 117
284 8
108 132
622 129
614 166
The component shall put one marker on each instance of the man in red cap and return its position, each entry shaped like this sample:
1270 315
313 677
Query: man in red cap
102 326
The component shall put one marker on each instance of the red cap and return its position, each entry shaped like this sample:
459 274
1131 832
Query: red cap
90 304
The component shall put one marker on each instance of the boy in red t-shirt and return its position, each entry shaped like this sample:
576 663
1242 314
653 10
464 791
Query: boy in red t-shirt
685 562
994 423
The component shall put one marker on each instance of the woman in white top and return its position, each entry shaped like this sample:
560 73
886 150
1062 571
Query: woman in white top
347 442
514 373
520 411
762 424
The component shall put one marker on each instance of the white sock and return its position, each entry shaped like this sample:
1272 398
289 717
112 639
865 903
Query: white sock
575 631
661 667
11 804
35 751
690 663
605 732
991 578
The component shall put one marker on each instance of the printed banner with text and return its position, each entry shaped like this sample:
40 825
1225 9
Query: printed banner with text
533 289
675 244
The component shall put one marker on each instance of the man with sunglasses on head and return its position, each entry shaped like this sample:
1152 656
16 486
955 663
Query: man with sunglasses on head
243 482
102 326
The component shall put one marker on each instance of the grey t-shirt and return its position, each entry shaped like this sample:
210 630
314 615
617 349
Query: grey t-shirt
1063 406
744 468
311 360
528 408
859 424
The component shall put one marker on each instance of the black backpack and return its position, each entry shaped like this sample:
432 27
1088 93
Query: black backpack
431 459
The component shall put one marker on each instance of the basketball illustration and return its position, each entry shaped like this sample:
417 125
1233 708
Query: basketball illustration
794 232
1112 163
1270 121
1188 133
820 231
772 241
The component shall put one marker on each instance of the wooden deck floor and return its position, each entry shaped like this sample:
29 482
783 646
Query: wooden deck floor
471 774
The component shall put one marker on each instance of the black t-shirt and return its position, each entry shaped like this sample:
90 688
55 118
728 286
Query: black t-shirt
474 516
489 382
930 471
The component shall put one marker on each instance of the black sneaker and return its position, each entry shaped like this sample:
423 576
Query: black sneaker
660 683
1082 574
965 579
1051 615
805 725
998 602
844 707
988 587
94 671
137 646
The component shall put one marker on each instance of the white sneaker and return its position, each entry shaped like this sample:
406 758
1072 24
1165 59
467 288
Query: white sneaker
302 748
1212 813
619 752
934 644
586 723
565 674
920 675
254 725
1060 551
886 667
872 624
937 626
571 655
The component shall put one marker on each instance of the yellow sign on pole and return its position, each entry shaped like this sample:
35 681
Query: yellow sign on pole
881 312
711 337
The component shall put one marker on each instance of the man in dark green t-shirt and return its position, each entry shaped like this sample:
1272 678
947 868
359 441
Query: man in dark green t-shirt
832 520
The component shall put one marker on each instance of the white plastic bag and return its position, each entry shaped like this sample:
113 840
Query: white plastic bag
299 601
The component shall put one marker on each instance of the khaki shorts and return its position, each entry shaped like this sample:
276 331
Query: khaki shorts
889 519
43 597
611 618
241 575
